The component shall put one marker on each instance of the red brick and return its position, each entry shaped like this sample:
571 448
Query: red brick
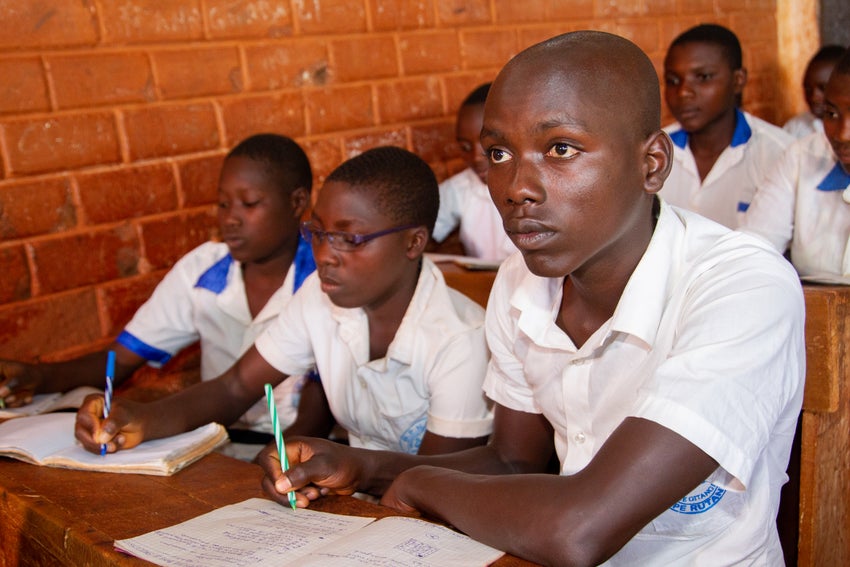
619 8
488 48
178 76
402 14
459 12
149 21
287 65
434 142
531 36
430 52
571 9
119 300
47 24
169 237
102 78
28 91
199 180
170 130
458 88
356 59
15 283
34 328
330 17
662 7
245 116
645 34
511 11
62 142
36 207
247 18
358 144
110 196
76 260
339 108
411 99
750 29
325 155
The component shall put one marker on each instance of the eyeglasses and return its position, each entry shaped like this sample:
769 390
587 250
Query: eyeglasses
344 241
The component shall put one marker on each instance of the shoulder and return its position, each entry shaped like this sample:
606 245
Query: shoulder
446 306
460 181
197 261
766 133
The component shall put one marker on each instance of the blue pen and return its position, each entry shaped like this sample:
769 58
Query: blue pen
107 394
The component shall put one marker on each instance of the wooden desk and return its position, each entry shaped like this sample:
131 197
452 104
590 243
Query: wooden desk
475 284
65 517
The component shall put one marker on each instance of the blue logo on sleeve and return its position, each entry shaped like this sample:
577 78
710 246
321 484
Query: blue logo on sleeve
412 438
699 503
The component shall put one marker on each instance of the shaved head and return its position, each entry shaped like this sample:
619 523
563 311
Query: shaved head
613 71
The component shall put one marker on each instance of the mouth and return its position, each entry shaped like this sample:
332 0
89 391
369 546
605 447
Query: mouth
686 114
329 284
529 235
232 240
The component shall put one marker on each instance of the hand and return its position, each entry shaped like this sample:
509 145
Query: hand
18 383
123 429
398 495
317 468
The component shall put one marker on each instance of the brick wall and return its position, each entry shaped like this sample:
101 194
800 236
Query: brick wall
115 115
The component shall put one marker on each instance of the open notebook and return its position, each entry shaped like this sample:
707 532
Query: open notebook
48 440
261 532
44 403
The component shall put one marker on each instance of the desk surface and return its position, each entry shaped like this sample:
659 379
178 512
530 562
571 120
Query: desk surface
66 517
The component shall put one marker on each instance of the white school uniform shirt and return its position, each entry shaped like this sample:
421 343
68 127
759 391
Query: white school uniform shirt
728 188
805 201
465 201
803 125
430 378
688 348
202 298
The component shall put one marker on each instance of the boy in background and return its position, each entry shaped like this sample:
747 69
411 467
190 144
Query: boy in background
804 202
401 356
721 152
223 294
659 353
464 198
815 78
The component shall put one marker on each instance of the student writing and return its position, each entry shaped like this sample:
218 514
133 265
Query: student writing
660 354
401 356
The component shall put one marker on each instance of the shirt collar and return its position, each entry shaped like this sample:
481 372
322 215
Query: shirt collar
836 180
741 135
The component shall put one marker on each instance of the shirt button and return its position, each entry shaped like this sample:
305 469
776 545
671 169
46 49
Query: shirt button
579 438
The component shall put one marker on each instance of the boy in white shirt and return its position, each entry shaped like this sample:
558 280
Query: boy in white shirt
401 356
814 82
721 152
659 353
804 203
464 198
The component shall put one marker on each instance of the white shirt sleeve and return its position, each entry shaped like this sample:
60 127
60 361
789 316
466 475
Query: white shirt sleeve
771 213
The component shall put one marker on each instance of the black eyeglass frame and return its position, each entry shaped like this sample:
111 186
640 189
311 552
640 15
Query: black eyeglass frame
345 241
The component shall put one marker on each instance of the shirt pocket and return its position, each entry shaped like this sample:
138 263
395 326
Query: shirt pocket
705 510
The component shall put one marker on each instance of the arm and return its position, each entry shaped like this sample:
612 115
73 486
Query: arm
20 381
592 513
223 399
771 213
314 417
522 443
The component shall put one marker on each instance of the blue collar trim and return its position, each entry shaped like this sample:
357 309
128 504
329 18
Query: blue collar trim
741 135
305 264
215 278
836 180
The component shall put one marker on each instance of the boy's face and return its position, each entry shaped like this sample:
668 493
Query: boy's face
700 85
836 117
566 166
469 121
814 83
367 276
256 219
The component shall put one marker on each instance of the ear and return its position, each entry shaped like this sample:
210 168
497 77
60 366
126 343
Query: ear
657 161
299 200
739 79
417 242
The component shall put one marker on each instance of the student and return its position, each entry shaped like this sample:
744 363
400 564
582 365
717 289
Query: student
805 201
814 81
401 356
464 197
721 152
223 294
659 353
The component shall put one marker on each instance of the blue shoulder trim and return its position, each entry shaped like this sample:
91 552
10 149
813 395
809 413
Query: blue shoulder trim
742 207
144 350
836 180
680 138
304 262
215 278
743 132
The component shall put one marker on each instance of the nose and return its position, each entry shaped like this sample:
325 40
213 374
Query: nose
517 185
229 216
323 252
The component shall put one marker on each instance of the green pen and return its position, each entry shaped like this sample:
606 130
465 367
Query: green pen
278 437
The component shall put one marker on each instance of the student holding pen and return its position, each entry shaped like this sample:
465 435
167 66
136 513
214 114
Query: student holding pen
660 354
401 356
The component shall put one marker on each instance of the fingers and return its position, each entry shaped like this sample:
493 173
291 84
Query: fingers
121 430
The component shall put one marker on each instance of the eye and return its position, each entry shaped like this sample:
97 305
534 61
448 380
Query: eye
346 238
562 150
250 204
703 77
498 156
830 114
465 147
671 80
